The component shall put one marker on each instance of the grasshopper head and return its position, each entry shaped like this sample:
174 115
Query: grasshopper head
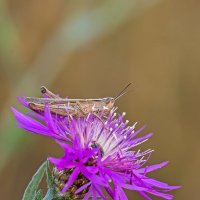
109 102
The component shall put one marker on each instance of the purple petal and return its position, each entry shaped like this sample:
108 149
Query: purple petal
22 101
71 180
137 131
159 184
89 193
99 191
133 187
94 178
152 167
160 194
49 120
145 195
30 124
82 187
36 115
139 140
122 194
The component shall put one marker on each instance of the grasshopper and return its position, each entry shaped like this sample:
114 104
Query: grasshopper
73 107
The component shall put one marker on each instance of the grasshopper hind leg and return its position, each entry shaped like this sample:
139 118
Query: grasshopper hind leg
47 93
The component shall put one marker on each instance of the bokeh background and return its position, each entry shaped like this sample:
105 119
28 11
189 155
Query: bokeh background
83 49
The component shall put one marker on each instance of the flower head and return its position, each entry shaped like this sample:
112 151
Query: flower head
98 155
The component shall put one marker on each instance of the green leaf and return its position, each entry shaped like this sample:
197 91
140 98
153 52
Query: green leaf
38 195
34 183
49 175
51 194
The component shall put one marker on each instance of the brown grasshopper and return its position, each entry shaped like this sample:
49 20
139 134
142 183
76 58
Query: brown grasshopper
74 107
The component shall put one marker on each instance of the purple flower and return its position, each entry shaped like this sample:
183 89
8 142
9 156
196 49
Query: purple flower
98 156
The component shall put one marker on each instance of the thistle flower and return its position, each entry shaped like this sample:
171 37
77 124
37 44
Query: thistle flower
98 156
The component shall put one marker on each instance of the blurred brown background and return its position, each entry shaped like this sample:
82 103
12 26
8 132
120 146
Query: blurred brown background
93 49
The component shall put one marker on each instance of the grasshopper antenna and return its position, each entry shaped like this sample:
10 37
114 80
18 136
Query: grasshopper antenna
123 92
